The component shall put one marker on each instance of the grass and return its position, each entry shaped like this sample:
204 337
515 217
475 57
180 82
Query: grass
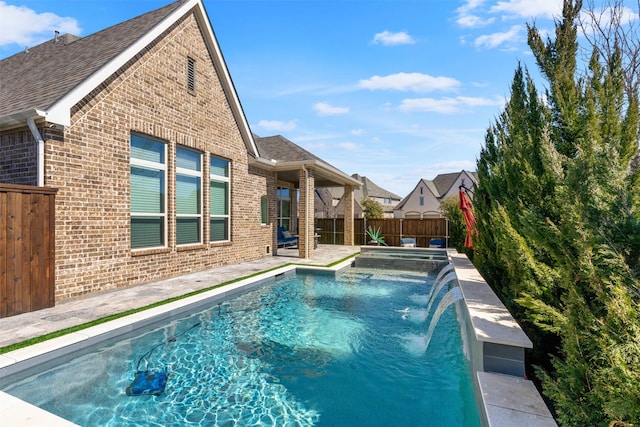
62 332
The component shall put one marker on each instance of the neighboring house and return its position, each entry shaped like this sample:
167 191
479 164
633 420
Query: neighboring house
325 204
424 200
140 130
368 190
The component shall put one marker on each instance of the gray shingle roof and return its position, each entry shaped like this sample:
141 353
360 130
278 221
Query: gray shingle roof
373 190
279 148
45 73
287 155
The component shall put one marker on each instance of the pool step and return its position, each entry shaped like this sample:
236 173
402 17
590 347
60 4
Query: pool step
411 259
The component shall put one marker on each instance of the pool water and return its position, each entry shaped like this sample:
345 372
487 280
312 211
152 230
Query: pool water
309 349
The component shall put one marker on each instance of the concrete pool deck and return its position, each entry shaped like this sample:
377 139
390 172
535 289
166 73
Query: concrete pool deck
506 398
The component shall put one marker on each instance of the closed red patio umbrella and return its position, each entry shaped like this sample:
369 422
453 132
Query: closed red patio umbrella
467 211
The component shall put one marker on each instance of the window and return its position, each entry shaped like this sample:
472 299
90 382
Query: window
191 74
188 196
264 210
148 169
284 208
219 199
421 201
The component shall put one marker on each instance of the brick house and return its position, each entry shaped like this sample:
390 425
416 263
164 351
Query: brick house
140 130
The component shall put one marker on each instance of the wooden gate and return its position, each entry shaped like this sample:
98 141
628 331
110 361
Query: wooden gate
27 248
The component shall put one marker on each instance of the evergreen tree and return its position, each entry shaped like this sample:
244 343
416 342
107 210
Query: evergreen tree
557 208
450 207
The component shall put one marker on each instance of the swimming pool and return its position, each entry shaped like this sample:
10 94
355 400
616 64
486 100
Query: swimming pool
307 349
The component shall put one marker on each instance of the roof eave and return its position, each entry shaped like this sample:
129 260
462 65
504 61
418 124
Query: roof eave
321 167
18 118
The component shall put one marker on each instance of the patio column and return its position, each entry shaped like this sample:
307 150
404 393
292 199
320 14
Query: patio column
348 216
306 221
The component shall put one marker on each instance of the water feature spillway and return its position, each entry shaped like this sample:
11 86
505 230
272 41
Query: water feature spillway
449 298
437 286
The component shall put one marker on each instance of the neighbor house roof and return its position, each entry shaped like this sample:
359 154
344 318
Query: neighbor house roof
443 182
368 189
439 186
284 157
47 80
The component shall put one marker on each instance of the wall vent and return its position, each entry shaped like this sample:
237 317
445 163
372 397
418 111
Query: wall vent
191 74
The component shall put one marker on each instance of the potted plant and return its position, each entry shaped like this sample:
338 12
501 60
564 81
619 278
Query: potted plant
376 236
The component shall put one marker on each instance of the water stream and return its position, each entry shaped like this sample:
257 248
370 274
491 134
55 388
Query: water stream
449 298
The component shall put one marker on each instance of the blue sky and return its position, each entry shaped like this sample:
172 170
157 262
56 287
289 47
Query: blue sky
393 90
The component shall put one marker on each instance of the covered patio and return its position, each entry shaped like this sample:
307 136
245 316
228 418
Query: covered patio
302 172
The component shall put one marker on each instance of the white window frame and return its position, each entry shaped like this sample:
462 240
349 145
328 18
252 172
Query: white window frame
195 174
133 161
227 181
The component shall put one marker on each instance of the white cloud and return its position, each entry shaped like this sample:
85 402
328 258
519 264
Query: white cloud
447 105
468 19
349 146
443 105
473 21
324 109
530 8
496 39
387 38
357 132
416 82
276 125
25 27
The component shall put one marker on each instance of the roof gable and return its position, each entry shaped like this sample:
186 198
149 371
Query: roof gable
44 74
429 185
443 182
49 79
440 186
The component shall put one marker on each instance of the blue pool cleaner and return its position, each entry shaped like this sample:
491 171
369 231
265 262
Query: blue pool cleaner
149 382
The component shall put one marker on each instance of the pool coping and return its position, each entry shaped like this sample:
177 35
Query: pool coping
506 396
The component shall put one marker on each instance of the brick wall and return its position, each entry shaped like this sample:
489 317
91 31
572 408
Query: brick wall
89 164
18 162
306 220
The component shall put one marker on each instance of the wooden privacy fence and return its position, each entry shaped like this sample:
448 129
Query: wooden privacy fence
27 248
331 230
